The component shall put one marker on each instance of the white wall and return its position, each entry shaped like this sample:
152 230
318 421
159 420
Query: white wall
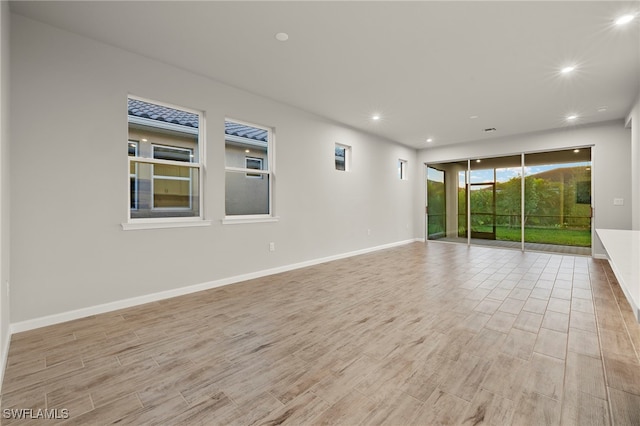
611 154
633 121
70 181
4 183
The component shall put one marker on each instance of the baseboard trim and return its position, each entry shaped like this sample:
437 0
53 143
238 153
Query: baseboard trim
600 256
154 297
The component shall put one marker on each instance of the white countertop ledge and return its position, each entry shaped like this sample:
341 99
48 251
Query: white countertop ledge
623 250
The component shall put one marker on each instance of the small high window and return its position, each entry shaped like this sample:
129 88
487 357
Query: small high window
343 157
402 169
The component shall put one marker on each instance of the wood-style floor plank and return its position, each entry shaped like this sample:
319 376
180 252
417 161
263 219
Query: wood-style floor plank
419 334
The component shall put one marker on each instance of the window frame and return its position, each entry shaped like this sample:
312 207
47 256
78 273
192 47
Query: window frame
269 172
199 154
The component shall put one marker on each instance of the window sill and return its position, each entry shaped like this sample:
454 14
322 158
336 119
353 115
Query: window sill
132 226
230 220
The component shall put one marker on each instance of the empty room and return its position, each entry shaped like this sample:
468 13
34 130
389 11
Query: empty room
309 212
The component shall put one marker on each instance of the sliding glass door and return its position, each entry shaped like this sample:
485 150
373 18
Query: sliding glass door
462 203
495 198
483 210
436 204
508 172
558 199
543 197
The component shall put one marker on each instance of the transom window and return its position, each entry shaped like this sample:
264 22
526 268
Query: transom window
249 173
164 161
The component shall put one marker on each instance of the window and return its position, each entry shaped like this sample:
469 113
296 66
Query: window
255 164
249 170
343 157
402 169
164 161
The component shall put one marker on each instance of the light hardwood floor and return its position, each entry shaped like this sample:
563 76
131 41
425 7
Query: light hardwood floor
419 334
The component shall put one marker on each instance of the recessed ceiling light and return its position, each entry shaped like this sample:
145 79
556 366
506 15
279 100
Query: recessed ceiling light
473 117
143 140
477 161
567 69
282 36
430 140
247 151
602 109
576 150
572 117
624 19
375 117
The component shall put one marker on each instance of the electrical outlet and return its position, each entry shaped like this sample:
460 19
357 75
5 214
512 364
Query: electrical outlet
272 246
618 201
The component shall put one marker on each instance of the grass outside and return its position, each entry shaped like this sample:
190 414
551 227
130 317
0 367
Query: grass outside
557 236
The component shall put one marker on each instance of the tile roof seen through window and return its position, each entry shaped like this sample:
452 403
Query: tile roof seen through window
161 113
137 108
235 129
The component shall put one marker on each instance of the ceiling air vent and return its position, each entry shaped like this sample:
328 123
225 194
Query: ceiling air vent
490 130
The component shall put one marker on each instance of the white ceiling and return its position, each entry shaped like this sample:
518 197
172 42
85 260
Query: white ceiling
425 67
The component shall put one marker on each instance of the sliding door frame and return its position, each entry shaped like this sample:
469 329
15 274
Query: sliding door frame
522 190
